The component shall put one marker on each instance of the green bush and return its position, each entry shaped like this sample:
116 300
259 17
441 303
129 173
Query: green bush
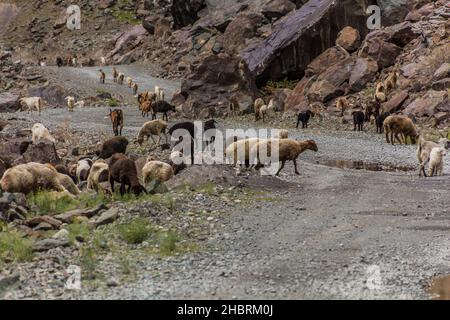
49 202
168 242
14 247
135 232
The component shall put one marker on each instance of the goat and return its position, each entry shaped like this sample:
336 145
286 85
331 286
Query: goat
123 170
102 76
304 117
380 120
358 120
39 132
258 104
32 102
70 103
115 74
135 88
120 78
395 125
159 93
117 121
163 107
437 161
342 105
151 128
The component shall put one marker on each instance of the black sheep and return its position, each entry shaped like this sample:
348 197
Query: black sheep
162 107
123 170
380 120
304 117
358 120
190 128
112 146
59 62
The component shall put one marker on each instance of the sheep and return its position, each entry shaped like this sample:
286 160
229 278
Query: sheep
304 117
129 81
117 121
163 107
67 182
103 61
102 76
424 149
99 173
39 132
135 88
157 170
112 146
342 105
74 61
83 169
63 170
379 120
265 109
257 107
31 177
174 162
283 134
79 104
146 107
358 120
70 103
395 125
379 93
288 149
436 164
190 127
245 146
123 170
151 128
32 102
391 81
159 93
115 74
120 78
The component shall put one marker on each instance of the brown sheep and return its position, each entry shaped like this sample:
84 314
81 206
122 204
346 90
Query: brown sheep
257 108
99 173
288 149
395 125
342 105
123 170
150 129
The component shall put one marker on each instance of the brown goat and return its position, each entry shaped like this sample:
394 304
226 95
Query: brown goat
146 107
102 76
123 170
115 74
116 116
395 125
112 146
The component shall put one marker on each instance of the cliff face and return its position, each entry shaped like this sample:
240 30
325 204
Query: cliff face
301 36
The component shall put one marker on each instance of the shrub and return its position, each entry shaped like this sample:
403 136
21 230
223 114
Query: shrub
135 232
14 247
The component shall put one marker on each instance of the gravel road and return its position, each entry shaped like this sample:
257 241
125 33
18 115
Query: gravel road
340 233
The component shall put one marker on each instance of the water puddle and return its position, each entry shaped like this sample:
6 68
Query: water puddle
440 288
362 165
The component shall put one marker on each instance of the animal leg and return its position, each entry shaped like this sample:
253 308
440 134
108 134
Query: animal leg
282 166
295 166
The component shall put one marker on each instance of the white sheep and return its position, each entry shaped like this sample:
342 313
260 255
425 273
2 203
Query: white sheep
31 177
129 81
32 102
266 109
157 170
80 104
151 128
239 151
83 168
436 164
160 94
424 149
99 173
39 132
103 61
70 103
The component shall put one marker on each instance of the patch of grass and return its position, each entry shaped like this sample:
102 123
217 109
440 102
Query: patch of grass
167 241
88 262
78 229
272 86
100 91
112 102
125 16
50 203
136 231
14 247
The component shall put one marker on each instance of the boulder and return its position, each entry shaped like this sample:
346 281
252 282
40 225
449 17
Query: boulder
3 124
325 60
332 83
401 34
443 84
53 95
442 72
297 98
395 103
185 12
10 151
69 216
393 11
47 244
301 35
363 72
349 38
106 217
431 103
37 220
209 88
126 40
276 9
9 102
411 69
42 152
383 52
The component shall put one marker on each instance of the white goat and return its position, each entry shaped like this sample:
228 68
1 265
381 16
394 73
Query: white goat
436 161
39 132
160 94
70 103
32 102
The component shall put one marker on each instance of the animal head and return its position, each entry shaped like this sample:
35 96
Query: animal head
151 158
311 145
137 190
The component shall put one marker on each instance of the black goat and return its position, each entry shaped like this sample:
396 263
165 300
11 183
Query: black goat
304 117
59 62
189 127
162 107
358 120
112 146
380 120
123 170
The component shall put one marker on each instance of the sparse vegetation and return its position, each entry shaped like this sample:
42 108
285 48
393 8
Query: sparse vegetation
112 102
135 232
272 86
14 247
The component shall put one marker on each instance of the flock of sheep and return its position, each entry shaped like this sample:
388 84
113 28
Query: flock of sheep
110 164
